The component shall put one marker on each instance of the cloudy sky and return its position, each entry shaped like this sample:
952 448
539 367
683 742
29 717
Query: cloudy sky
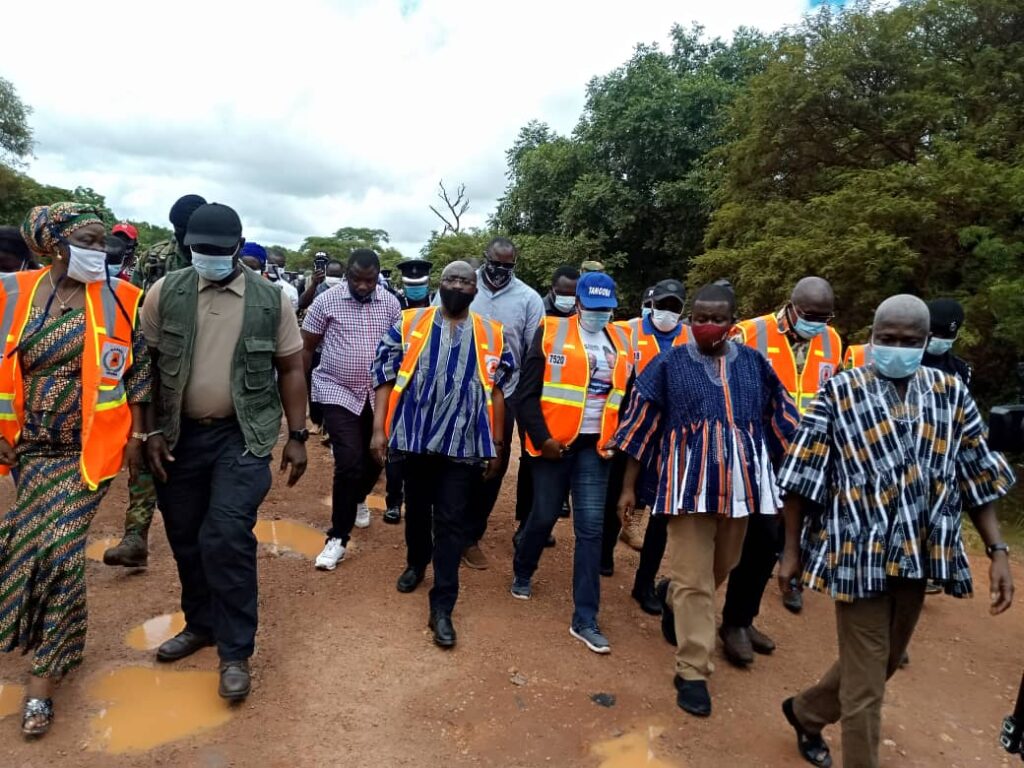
310 115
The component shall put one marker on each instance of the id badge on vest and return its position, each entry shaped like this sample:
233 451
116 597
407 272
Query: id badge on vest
113 362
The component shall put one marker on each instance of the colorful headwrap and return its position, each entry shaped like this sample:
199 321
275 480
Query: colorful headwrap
47 224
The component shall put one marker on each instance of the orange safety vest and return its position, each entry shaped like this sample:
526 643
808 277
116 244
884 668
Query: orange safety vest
857 356
823 357
645 346
106 417
417 325
567 376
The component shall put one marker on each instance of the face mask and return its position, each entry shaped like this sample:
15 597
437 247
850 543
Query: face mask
272 274
896 362
806 329
646 311
498 275
665 320
710 335
594 320
564 303
416 292
113 270
455 302
937 346
213 268
333 280
87 266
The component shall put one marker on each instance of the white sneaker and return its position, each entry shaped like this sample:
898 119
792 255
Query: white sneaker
334 553
362 516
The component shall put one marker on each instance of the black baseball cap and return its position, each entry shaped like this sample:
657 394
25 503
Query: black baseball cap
214 224
414 270
669 288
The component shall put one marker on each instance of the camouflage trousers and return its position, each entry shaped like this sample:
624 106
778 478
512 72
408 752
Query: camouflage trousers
141 505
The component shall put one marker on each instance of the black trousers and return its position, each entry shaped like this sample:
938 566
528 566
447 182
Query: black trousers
655 541
524 487
316 410
355 470
485 493
437 520
747 582
394 471
214 488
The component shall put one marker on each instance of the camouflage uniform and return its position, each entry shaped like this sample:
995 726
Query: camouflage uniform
152 265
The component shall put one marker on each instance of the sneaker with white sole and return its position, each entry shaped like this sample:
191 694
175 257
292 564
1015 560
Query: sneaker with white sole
592 638
333 553
521 589
362 516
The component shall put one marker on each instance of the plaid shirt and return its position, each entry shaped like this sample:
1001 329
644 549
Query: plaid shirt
351 331
891 478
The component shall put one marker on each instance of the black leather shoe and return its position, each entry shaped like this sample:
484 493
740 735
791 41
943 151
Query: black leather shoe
235 682
409 580
760 642
607 570
183 644
444 630
668 616
692 696
393 515
550 542
736 644
648 600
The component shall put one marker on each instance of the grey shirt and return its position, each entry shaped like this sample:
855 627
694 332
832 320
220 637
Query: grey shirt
518 308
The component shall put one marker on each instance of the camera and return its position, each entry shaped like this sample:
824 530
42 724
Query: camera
320 263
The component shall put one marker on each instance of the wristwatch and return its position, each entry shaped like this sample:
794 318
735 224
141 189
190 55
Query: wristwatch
299 435
991 549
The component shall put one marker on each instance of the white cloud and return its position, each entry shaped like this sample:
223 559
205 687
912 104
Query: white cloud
315 114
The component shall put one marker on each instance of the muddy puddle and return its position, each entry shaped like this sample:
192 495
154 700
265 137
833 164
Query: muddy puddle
95 548
144 707
11 697
289 536
150 634
632 750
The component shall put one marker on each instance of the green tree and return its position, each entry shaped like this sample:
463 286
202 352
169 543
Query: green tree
150 234
340 246
15 132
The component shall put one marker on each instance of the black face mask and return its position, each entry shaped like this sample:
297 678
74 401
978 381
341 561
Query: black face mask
499 275
455 302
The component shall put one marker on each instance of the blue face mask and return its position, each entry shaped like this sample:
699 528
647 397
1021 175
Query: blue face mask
646 311
213 268
937 346
896 362
416 292
113 270
808 330
594 320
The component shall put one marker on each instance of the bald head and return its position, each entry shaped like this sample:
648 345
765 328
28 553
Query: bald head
901 321
459 269
814 296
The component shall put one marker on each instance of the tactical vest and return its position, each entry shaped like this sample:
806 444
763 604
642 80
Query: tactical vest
253 383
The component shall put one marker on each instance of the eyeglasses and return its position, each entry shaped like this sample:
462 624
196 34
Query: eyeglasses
811 317
454 280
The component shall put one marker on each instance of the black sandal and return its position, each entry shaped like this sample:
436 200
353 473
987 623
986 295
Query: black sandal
812 746
40 710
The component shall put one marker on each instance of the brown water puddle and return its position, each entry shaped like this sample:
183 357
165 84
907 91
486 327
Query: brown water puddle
631 750
291 536
145 707
96 547
11 697
151 634
374 501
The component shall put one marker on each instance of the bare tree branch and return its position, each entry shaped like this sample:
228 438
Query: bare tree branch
456 208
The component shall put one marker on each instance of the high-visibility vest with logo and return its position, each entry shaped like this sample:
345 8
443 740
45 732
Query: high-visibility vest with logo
417 325
106 417
857 356
567 376
823 356
645 345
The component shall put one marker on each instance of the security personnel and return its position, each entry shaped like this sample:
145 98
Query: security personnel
805 352
947 318
227 358
133 549
574 381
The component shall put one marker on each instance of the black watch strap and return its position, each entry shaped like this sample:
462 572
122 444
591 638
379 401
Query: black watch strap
299 435
991 549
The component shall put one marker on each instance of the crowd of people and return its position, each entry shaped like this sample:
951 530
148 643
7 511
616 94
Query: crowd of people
757 445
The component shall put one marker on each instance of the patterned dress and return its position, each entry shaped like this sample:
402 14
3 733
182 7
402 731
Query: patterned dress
42 540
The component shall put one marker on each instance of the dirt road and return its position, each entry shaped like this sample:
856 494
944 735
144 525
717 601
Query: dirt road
346 674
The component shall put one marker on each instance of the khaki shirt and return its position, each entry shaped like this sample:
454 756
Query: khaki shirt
218 326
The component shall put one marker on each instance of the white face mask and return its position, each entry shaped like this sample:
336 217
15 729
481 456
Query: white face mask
665 320
564 303
333 281
86 265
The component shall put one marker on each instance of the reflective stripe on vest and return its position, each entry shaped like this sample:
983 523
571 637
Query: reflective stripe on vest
645 346
567 376
823 357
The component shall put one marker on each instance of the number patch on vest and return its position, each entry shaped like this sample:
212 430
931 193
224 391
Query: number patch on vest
113 359
556 359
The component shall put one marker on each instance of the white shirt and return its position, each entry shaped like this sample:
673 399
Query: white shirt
602 356
289 290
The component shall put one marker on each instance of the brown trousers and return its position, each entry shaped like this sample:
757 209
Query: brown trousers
873 634
703 549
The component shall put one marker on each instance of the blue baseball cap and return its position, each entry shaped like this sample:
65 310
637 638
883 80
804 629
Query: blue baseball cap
596 290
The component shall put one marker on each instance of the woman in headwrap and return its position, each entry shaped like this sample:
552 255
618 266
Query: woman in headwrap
73 380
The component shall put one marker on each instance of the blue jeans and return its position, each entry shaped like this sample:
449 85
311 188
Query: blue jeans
583 472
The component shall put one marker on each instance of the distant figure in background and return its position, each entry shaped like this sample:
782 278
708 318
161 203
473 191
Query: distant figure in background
591 266
332 274
254 256
349 320
128 235
172 254
275 274
947 318
14 254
